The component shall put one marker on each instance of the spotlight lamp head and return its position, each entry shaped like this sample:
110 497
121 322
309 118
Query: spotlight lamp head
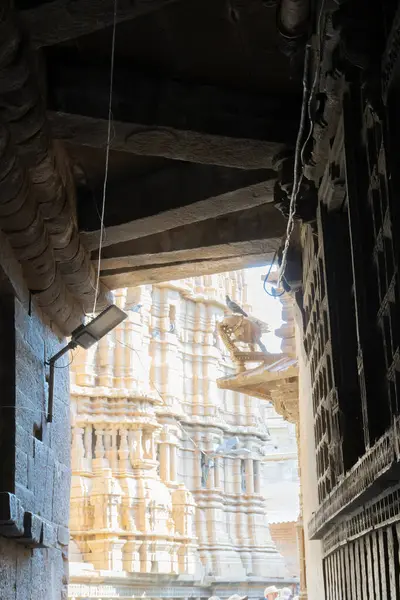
85 336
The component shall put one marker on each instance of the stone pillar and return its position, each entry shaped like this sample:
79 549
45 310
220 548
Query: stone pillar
123 452
119 356
130 354
119 337
87 440
137 445
108 446
99 462
211 473
217 472
249 476
197 462
173 465
152 446
78 449
256 468
84 372
164 461
105 498
105 360
114 450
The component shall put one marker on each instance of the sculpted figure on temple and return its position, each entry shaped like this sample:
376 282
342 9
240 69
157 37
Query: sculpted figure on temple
240 333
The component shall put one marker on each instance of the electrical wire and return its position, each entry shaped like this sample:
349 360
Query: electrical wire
109 128
160 396
209 454
297 178
68 364
273 295
314 84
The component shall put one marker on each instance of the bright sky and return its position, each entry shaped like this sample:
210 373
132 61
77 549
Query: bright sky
265 307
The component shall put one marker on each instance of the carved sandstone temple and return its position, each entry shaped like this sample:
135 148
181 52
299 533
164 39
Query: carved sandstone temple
148 513
233 123
276 379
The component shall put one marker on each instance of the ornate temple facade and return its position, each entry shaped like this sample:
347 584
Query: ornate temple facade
151 513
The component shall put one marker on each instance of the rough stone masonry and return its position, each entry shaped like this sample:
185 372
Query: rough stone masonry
35 473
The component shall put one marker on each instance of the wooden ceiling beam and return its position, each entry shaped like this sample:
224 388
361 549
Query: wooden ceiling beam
263 222
217 252
58 21
184 216
171 272
166 142
181 194
163 117
253 234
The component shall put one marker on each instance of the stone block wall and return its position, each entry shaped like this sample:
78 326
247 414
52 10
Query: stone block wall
35 478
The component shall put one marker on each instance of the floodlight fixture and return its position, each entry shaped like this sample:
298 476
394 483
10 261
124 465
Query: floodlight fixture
85 336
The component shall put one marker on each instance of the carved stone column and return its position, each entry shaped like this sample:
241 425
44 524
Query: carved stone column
105 361
87 441
256 468
173 462
137 445
211 471
217 472
84 372
114 450
119 356
164 461
123 453
78 449
99 462
249 476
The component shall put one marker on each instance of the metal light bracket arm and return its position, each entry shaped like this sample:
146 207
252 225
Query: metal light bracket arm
85 336
51 362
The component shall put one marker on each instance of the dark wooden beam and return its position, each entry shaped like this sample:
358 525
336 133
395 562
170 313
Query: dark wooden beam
165 190
167 142
216 252
230 239
164 117
170 272
230 202
263 222
58 21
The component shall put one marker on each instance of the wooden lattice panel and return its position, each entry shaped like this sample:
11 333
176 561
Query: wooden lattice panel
375 264
319 353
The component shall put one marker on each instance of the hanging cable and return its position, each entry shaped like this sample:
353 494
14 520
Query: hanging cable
160 396
109 128
299 154
297 176
273 294
315 81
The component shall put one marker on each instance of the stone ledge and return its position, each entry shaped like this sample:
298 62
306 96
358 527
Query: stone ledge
28 528
11 516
